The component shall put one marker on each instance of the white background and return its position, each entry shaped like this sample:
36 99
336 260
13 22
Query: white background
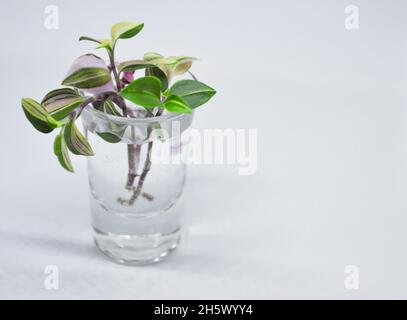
329 106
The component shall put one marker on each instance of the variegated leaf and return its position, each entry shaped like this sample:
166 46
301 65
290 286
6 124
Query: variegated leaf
164 61
171 66
86 78
92 61
61 151
134 65
182 65
59 94
60 102
109 137
125 30
38 116
148 56
109 107
76 141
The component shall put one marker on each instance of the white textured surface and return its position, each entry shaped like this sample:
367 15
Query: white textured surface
330 108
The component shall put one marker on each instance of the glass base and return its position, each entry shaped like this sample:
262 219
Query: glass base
137 249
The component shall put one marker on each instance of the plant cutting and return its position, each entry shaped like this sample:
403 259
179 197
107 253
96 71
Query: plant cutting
128 109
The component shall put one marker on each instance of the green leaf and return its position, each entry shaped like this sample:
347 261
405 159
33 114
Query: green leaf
145 91
177 105
182 65
60 102
52 122
164 61
194 93
125 30
102 43
61 151
171 66
38 116
109 137
75 140
105 43
160 74
134 65
89 39
86 78
148 56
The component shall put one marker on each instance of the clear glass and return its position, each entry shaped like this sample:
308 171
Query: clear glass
136 184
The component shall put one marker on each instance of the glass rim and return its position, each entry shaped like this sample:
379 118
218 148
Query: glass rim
128 120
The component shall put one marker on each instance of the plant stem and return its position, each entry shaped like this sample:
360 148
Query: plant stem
192 75
114 70
76 113
146 169
133 160
133 152
83 105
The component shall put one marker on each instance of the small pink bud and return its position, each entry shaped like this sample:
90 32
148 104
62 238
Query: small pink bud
128 76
